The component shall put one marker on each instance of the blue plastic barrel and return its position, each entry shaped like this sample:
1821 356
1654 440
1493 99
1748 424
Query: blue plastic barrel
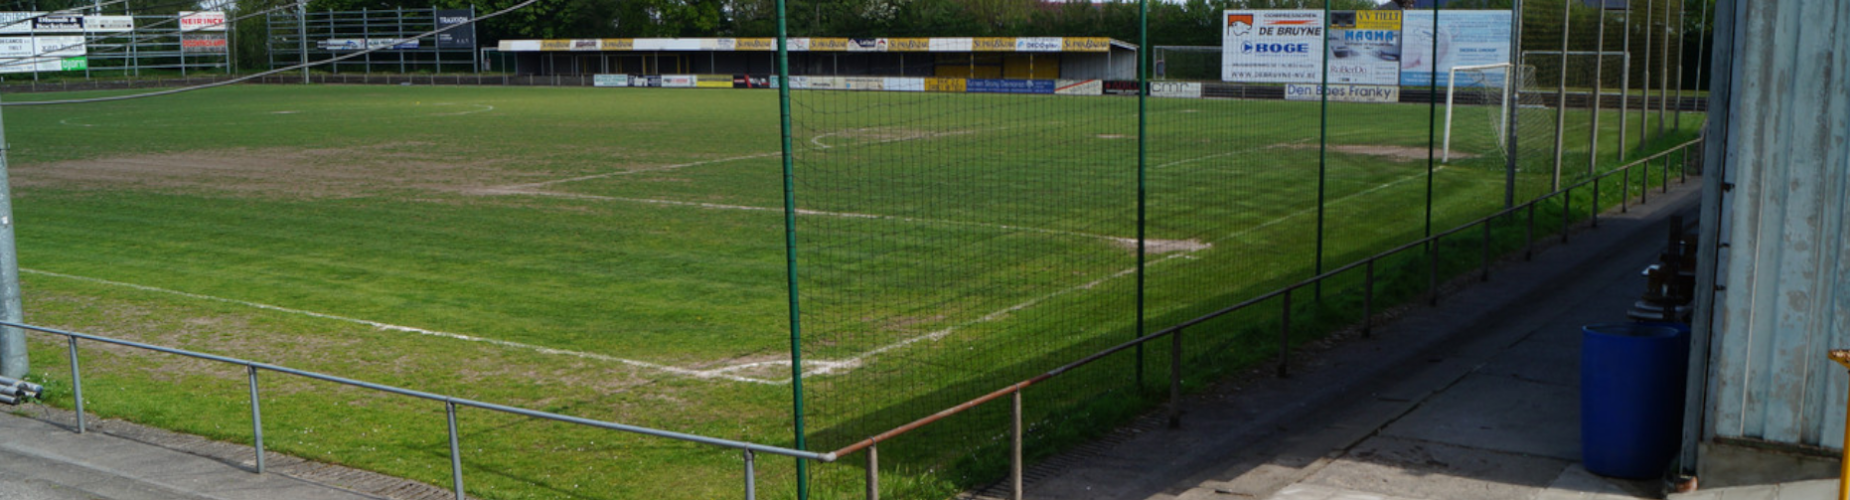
1631 397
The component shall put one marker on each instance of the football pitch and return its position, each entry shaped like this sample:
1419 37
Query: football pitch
619 254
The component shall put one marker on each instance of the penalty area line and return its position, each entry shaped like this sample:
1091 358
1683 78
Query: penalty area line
705 374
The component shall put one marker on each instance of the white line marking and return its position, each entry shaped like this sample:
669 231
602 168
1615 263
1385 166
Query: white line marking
707 374
1298 213
520 187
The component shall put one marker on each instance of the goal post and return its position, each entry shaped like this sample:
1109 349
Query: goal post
1451 83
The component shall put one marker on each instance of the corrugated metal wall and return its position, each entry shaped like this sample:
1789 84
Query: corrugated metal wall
1785 226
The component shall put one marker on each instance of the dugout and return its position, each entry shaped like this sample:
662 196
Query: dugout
989 57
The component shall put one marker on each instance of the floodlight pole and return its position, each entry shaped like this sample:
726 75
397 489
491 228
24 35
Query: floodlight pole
13 361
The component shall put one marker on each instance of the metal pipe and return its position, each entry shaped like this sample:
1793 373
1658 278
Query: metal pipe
1284 335
1368 299
1567 203
1528 239
1432 272
1175 380
873 472
1484 260
1644 182
751 474
1625 198
1596 182
1015 450
256 417
77 386
456 474
1666 179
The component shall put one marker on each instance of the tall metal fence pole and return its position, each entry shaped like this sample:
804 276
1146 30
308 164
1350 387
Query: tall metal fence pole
1682 39
1567 9
301 30
1644 101
1512 80
790 245
13 360
1143 95
1663 72
1599 67
1625 80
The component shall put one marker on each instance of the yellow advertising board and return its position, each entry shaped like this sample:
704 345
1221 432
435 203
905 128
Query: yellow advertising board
713 81
755 44
1085 44
619 44
555 45
1377 20
828 44
944 85
908 45
993 44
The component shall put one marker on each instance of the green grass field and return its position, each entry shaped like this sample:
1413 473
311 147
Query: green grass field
619 254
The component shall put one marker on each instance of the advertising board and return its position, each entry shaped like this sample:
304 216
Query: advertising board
203 43
1272 46
904 84
944 85
610 80
1009 86
1364 47
713 81
1189 90
461 37
202 21
680 81
342 44
1464 38
1344 93
1078 87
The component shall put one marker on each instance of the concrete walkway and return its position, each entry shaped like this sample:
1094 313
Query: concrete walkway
1475 399
41 458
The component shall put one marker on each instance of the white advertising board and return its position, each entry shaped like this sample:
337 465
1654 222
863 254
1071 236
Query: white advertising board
1272 46
1364 47
202 21
610 80
1344 93
1464 37
1190 90
678 81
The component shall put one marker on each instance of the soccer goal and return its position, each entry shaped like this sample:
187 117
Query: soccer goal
1488 85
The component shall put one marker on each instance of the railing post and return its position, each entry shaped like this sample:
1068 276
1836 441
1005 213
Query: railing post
1625 201
873 472
1484 260
1175 380
1666 179
1015 449
456 478
1368 297
1567 202
1596 200
1683 167
1644 183
1432 272
77 385
751 475
1284 335
1528 239
256 417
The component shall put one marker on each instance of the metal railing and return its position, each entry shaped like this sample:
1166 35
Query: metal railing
450 403
1174 333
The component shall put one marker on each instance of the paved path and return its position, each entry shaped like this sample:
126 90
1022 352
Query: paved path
42 459
1475 399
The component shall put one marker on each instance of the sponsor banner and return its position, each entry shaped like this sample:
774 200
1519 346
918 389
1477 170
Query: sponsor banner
726 44
713 81
1079 87
752 81
867 45
1345 93
1038 44
864 83
552 45
944 85
521 45
202 43
1364 47
16 22
1009 86
679 81
1085 44
78 63
610 80
1190 90
1120 87
755 44
58 24
16 46
992 44
202 21
1272 46
584 45
828 44
817 83
908 45
667 44
1465 38
904 84
53 47
797 45
462 37
646 81
340 44
617 44
952 44
109 24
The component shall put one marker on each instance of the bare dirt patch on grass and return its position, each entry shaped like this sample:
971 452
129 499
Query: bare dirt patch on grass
1396 153
280 172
